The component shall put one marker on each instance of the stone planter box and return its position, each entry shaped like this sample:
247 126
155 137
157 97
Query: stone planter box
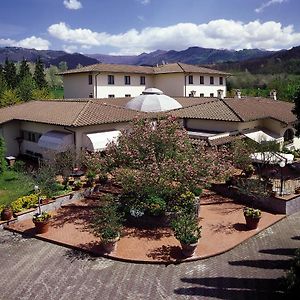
273 204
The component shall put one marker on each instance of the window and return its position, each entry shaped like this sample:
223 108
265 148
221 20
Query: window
127 95
90 79
127 80
201 95
111 79
211 95
211 80
221 80
111 96
201 79
30 136
191 79
142 80
91 95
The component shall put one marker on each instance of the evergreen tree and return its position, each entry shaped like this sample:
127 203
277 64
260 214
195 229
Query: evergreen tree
39 75
296 110
24 70
2 156
3 84
10 74
26 88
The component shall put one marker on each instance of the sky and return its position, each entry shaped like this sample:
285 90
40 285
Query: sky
129 27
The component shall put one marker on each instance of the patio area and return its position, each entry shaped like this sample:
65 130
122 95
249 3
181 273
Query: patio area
221 218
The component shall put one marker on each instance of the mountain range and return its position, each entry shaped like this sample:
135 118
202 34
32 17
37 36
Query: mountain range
253 60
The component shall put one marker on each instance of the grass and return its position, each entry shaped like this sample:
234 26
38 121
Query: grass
14 185
57 93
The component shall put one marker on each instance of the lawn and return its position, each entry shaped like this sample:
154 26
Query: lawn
57 93
14 185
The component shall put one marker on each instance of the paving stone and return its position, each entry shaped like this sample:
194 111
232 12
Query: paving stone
34 269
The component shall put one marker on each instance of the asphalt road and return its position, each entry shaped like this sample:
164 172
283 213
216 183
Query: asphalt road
33 269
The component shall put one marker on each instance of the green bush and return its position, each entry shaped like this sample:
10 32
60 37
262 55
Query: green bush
186 229
155 205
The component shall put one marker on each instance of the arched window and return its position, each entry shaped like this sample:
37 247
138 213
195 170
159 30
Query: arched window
288 135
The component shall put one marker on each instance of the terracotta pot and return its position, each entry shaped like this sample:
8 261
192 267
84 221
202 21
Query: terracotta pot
110 245
6 214
252 223
188 250
41 227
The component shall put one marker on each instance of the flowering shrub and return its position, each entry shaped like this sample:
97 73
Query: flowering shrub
24 202
158 159
184 203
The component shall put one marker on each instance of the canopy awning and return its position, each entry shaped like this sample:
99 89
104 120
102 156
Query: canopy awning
272 157
56 140
260 136
99 141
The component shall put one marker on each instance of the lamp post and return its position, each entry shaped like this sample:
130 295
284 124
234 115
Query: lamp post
281 165
37 191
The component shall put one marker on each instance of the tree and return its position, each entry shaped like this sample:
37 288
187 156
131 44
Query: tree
54 80
2 155
3 84
39 75
26 88
10 74
24 70
63 66
296 110
9 97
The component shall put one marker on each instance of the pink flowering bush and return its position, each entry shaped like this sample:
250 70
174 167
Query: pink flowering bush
157 158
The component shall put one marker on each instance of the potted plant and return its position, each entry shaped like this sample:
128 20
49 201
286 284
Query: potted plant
187 232
252 216
41 222
6 213
109 238
248 171
90 178
107 222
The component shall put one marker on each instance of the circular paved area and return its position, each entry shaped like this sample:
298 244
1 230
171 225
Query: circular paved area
33 269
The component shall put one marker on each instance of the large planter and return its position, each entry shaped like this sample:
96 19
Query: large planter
188 250
251 222
6 214
41 226
147 221
110 245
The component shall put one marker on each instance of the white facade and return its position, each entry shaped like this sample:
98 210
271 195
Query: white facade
97 85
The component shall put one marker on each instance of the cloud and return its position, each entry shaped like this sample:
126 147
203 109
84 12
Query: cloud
72 4
32 42
267 4
144 2
70 48
220 33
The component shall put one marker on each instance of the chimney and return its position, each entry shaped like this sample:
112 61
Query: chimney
238 94
220 94
273 95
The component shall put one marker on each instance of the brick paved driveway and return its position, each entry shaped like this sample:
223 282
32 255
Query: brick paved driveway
33 269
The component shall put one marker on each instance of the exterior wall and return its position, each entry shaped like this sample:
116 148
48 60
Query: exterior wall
171 84
119 89
77 86
10 131
220 126
205 88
